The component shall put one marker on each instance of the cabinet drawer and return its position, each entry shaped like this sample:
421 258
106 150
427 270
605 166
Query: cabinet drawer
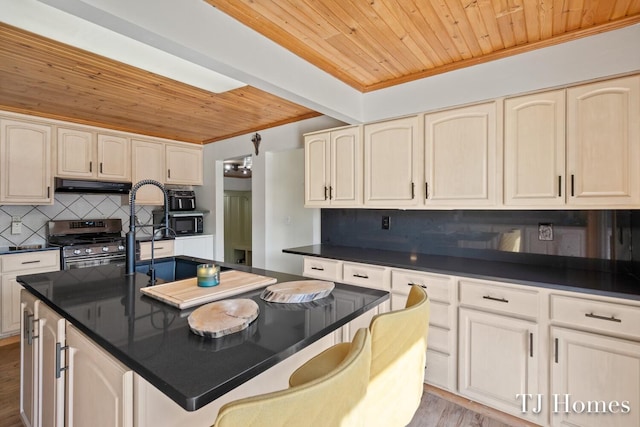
441 313
439 339
161 249
439 287
504 299
437 371
24 262
369 276
322 268
596 315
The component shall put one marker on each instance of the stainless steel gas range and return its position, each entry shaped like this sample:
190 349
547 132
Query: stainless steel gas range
87 242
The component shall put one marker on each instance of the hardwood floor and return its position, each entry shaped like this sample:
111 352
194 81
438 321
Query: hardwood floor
438 408
10 383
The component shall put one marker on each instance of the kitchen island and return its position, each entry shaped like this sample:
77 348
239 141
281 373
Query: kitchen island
182 372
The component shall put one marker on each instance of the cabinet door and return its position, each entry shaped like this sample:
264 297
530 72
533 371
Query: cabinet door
25 157
316 169
392 163
460 156
29 366
345 187
534 149
603 143
114 158
11 310
184 164
51 334
498 359
99 388
148 163
594 368
75 153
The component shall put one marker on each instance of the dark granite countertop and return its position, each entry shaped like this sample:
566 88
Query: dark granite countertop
154 340
612 284
5 250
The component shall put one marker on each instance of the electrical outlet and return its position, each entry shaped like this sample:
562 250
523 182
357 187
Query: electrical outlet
545 231
16 225
386 222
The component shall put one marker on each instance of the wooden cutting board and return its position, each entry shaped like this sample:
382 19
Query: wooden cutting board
186 293
220 318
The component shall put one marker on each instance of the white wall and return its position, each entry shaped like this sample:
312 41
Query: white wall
290 223
274 140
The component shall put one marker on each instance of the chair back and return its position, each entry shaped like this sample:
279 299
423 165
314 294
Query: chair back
332 399
398 347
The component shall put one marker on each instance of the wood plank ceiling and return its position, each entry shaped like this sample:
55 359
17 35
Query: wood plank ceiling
374 44
368 44
42 77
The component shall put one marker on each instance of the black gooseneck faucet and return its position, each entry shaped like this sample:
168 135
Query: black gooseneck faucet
131 235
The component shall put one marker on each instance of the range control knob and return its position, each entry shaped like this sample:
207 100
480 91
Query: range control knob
105 249
88 250
120 247
77 252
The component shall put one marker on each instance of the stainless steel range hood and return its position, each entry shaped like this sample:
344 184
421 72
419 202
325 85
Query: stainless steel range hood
64 185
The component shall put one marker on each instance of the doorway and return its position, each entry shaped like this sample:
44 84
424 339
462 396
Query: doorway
237 210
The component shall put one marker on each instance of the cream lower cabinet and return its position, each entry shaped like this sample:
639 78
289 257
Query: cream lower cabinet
11 266
42 390
441 366
99 388
25 163
369 276
66 379
595 363
161 249
499 345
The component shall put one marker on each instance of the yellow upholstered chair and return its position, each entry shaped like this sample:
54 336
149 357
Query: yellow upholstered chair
398 347
398 352
331 399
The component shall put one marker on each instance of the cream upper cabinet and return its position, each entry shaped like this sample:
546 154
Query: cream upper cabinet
534 150
461 157
333 168
75 153
603 143
114 158
147 160
25 160
392 163
87 155
183 164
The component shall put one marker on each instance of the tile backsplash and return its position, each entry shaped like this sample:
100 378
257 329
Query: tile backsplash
67 206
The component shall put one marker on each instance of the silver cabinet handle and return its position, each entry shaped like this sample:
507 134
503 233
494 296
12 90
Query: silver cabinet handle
59 367
31 262
610 319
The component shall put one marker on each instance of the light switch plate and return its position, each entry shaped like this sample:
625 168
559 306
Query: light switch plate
16 227
545 231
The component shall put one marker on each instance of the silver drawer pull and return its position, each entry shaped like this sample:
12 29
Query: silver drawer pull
610 319
417 284
31 262
495 299
361 276
317 268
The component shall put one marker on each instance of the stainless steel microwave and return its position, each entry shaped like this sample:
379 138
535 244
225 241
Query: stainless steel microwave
182 223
